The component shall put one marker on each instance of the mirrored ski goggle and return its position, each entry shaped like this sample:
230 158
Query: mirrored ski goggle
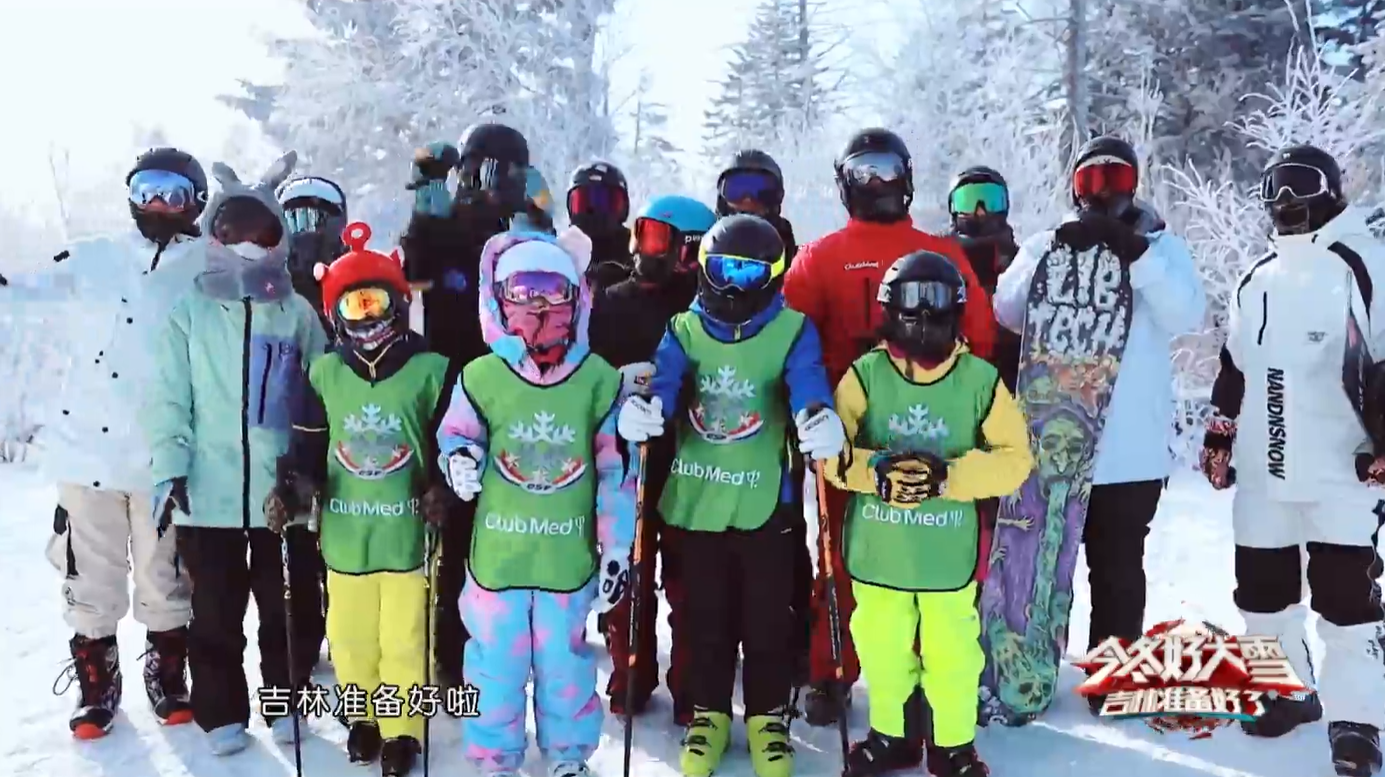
247 220
738 272
754 185
162 190
1104 178
365 304
921 296
969 198
1299 181
880 166
526 288
594 199
311 218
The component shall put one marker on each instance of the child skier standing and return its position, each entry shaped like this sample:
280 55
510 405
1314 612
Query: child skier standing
362 445
216 421
531 430
728 504
932 429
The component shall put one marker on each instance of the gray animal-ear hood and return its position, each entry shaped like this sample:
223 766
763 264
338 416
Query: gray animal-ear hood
228 275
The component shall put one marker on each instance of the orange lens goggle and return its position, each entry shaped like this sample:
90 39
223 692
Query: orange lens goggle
364 304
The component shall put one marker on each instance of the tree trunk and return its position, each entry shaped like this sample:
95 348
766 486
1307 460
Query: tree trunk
1076 77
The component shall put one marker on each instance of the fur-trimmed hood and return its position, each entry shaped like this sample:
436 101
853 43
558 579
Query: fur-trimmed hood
230 276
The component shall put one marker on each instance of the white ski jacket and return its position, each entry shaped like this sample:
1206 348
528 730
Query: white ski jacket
112 292
1297 433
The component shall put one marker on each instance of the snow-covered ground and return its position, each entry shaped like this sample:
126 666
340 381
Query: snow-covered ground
1190 572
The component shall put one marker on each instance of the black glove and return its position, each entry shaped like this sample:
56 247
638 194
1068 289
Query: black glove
291 495
1091 228
433 162
908 479
438 501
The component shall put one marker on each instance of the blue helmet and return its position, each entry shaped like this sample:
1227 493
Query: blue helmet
682 213
667 236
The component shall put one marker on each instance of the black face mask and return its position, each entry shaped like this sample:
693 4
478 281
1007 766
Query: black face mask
926 340
989 225
735 307
655 270
161 228
883 204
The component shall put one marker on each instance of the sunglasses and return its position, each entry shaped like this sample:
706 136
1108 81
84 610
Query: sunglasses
968 198
364 304
527 288
161 190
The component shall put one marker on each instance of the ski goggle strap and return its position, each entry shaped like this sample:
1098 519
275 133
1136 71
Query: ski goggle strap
922 296
246 220
755 185
968 198
726 272
1104 178
162 190
1298 181
594 199
364 304
525 288
880 166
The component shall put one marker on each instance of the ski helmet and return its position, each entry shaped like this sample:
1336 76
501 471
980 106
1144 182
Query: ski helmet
365 293
978 201
168 192
751 175
923 294
743 263
1105 175
668 236
1302 189
598 199
875 176
493 167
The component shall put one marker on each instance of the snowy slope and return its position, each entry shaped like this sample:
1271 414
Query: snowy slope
1190 569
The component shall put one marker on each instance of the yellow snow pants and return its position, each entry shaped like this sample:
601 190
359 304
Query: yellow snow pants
884 626
375 628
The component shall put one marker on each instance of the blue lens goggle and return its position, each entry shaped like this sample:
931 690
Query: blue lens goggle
174 191
753 185
738 272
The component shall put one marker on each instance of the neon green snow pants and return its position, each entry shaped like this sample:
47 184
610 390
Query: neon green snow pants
948 629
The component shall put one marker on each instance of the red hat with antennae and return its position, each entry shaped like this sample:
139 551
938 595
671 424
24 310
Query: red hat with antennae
360 266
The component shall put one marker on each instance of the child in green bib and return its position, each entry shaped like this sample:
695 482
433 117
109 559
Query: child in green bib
931 429
751 367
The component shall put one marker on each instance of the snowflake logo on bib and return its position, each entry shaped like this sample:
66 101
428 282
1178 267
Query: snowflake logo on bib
374 446
541 457
724 411
917 431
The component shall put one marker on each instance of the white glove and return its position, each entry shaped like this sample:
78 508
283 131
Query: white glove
615 578
641 418
820 436
635 379
462 473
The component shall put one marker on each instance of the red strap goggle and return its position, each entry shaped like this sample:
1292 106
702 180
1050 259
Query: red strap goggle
1104 178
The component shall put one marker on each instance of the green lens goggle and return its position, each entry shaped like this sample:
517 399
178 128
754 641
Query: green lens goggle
968 198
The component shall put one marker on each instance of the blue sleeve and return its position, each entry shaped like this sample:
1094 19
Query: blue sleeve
670 367
804 372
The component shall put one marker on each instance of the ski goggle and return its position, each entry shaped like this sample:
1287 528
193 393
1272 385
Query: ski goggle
738 272
880 166
754 185
162 190
365 304
921 296
594 199
1104 178
246 220
490 175
966 199
527 288
310 218
1300 182
654 237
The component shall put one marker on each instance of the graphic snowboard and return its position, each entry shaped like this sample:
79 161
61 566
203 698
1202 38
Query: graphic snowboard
1076 322
1357 372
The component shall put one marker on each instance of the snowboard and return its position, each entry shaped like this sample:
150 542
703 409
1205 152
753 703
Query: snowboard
1076 321
1358 368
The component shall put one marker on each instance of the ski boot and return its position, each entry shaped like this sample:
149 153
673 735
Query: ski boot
1283 714
1355 748
824 702
880 754
228 739
363 743
961 761
768 738
704 743
569 769
95 668
165 675
398 755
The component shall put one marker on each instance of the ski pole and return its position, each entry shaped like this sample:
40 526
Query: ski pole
833 611
288 628
632 633
430 543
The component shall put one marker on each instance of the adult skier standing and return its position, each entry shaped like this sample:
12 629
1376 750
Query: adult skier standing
120 288
978 203
598 203
1308 477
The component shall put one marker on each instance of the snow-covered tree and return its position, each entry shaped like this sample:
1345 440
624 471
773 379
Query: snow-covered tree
647 157
1345 26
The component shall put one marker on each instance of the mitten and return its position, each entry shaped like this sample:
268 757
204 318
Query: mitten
1215 458
432 164
437 504
615 578
909 479
169 495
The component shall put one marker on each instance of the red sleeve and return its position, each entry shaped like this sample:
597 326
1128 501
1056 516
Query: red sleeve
978 320
801 289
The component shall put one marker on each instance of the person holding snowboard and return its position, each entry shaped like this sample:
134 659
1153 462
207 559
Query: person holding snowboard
834 283
216 422
628 321
931 429
598 203
753 183
362 448
1308 471
729 505
978 202
1133 456
530 435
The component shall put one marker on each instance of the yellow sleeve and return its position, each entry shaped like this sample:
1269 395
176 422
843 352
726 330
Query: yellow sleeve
1002 467
853 472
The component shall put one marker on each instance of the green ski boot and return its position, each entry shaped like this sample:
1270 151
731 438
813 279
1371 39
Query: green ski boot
704 743
770 751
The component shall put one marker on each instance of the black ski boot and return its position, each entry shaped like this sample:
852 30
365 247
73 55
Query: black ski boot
363 742
95 668
165 675
960 761
1355 748
398 755
822 705
880 754
1284 714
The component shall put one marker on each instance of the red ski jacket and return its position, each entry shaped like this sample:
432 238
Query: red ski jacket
833 282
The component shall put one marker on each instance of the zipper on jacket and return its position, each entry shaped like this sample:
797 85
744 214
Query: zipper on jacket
158 254
264 378
1264 318
245 419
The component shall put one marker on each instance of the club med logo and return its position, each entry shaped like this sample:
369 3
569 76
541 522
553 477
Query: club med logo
862 266
1274 410
384 509
895 515
691 469
543 526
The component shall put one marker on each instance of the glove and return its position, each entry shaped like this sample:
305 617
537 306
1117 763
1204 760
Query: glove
615 578
635 379
640 418
821 435
1215 458
437 503
291 495
432 163
1092 228
908 479
168 495
463 475
455 281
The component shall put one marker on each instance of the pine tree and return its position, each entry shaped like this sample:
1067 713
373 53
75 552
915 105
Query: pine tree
650 158
1347 25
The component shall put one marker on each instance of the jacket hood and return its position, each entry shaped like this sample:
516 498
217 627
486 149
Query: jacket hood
1350 223
228 275
569 254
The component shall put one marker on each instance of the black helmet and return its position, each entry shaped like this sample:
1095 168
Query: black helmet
977 174
505 182
923 295
1302 189
495 141
875 176
1114 149
963 207
162 226
609 204
752 160
173 160
743 262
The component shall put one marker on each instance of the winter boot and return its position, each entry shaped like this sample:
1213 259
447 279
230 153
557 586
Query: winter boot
569 769
1355 748
96 669
962 761
281 729
768 737
823 705
363 742
165 675
1283 714
880 754
398 755
704 743
228 739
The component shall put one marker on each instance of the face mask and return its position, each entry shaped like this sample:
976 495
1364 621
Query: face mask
545 329
250 252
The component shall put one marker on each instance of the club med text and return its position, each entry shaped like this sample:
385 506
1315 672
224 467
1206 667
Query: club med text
896 515
351 507
515 524
691 469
